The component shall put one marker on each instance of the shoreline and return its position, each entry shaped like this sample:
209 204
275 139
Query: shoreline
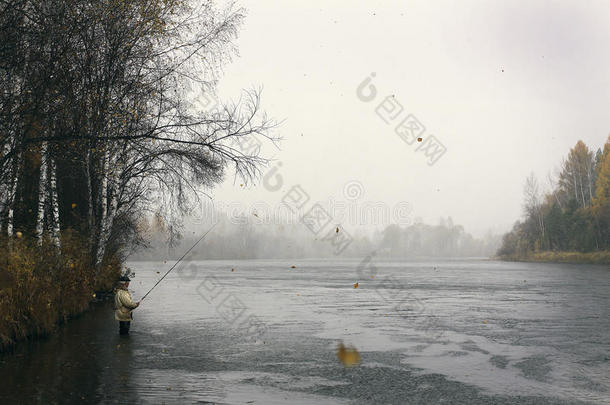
600 258
40 331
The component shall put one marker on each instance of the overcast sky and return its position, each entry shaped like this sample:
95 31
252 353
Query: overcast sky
508 87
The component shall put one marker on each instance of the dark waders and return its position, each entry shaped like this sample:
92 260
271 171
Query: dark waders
124 327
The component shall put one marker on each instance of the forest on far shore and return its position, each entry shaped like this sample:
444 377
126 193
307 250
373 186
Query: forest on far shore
244 238
572 216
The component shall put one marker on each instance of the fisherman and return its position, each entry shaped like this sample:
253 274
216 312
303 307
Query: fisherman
123 305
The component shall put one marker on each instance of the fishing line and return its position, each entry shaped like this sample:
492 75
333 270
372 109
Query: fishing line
179 260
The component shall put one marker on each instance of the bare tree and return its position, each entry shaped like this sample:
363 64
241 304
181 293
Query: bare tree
533 202
104 93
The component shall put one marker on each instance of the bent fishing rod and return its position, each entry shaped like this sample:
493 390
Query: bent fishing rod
179 260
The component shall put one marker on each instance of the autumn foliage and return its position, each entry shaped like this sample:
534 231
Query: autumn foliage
571 221
40 288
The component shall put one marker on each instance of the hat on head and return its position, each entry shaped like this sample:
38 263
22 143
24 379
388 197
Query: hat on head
127 274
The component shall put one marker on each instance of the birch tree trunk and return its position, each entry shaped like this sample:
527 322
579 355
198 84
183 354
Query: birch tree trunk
90 206
590 182
582 191
42 191
98 249
109 208
12 194
107 226
55 224
104 189
4 188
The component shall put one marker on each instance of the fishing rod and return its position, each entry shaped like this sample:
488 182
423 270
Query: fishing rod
179 260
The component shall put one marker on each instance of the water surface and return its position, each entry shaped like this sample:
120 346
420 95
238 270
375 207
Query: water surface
261 332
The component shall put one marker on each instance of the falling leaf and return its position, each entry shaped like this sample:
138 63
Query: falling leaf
337 231
372 276
419 139
93 295
73 205
349 357
485 322
232 269
118 346
158 273
19 234
355 285
241 185
255 214
293 267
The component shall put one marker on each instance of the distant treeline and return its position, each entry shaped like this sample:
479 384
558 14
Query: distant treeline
442 240
573 216
249 240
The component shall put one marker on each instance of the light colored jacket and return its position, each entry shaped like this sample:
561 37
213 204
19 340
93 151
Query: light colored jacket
123 304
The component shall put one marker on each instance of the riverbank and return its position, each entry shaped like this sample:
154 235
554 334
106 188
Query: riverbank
41 288
602 257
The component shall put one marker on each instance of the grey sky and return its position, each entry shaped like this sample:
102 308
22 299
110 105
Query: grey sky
508 87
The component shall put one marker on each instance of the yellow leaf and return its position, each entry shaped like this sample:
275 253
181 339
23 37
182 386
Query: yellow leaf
349 357
356 285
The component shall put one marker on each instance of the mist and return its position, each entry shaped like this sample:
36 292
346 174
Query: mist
505 92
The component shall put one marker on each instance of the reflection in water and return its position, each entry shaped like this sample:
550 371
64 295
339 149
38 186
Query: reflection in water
81 362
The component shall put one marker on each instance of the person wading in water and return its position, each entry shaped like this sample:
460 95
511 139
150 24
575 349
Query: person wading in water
123 305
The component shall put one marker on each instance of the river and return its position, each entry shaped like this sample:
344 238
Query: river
466 331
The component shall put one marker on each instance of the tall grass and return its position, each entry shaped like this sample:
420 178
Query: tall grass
41 287
601 257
